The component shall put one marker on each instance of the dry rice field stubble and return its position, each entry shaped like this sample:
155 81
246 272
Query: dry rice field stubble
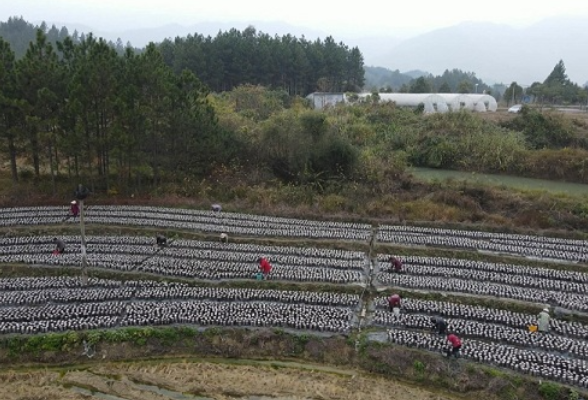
203 380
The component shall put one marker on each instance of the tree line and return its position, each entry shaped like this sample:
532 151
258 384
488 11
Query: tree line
233 58
19 33
295 65
557 88
113 116
82 110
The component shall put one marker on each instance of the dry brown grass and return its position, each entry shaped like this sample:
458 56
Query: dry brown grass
215 380
37 385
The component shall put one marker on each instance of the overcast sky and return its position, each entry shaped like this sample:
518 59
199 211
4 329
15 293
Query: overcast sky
339 17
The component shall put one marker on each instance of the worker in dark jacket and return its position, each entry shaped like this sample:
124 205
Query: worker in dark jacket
454 345
59 246
394 302
439 325
264 266
395 264
160 240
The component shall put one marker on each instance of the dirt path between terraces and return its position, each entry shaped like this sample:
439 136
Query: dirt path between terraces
191 380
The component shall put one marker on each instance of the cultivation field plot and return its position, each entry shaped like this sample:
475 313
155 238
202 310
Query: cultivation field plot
497 325
539 363
192 258
537 247
494 336
193 220
567 289
56 304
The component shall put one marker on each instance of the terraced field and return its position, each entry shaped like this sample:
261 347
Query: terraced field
193 283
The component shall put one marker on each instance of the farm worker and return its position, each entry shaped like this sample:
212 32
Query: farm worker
543 321
59 246
160 240
394 302
439 325
264 266
455 345
74 208
224 238
395 264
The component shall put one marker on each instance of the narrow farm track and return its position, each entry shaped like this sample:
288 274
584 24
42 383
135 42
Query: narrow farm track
40 304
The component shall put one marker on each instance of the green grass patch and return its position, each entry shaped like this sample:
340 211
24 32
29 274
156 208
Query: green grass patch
505 181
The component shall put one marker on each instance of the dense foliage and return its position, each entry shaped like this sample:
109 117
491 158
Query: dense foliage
297 66
82 110
233 58
558 89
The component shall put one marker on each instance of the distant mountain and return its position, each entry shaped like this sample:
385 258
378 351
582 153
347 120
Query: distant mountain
416 73
382 78
497 53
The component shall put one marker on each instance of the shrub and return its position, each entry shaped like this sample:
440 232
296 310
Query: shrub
419 367
94 337
549 390
52 342
573 395
545 130
564 164
333 203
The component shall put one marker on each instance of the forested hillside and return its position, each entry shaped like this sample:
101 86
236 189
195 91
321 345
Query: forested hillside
130 123
80 109
295 65
234 58
20 33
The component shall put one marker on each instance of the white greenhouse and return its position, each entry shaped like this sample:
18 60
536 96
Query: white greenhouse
484 102
432 102
458 101
321 100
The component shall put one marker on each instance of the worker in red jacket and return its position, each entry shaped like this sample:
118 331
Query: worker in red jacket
394 302
74 209
455 345
395 264
264 266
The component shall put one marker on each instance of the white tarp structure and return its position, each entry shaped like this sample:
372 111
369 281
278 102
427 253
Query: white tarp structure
458 101
484 102
322 100
479 106
432 102
442 107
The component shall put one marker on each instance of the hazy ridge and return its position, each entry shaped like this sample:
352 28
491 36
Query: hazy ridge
496 53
